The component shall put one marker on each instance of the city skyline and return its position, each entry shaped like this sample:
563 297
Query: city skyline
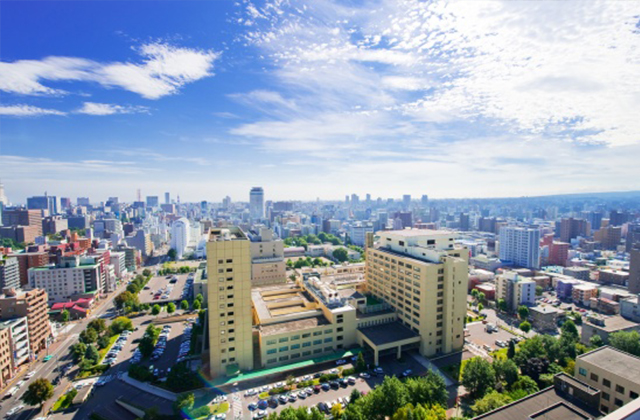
320 100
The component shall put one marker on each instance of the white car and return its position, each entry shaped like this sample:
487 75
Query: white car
30 374
14 410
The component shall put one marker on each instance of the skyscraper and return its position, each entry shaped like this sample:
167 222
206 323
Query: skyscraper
167 198
153 201
256 203
571 228
520 246
424 200
43 202
406 200
229 301
180 236
634 271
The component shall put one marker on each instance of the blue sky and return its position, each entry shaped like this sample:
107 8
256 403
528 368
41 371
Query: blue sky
318 99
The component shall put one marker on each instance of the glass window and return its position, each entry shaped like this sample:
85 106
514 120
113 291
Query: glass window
582 371
620 389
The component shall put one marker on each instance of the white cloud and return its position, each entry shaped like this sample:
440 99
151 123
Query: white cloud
163 70
27 111
93 108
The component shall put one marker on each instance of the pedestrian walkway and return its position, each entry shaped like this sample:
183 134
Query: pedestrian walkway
427 364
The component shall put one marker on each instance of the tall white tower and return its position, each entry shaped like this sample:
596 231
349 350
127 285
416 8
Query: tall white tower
180 236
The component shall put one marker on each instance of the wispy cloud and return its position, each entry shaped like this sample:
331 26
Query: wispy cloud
159 157
93 108
163 70
27 111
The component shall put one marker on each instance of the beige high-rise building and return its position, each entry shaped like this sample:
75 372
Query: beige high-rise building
229 301
423 276
267 258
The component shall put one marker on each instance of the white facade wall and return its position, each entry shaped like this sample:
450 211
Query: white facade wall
180 236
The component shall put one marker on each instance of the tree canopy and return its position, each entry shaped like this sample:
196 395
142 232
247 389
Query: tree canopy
627 341
39 391
478 377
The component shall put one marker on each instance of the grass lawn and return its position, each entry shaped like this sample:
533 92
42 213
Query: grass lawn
105 350
64 401
220 408
500 354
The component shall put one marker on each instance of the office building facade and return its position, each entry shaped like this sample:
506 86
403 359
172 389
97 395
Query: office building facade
256 203
520 246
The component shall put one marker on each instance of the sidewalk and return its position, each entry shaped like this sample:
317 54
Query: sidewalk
427 364
159 392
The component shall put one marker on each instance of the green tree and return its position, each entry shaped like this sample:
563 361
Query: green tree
292 277
199 297
489 402
626 341
289 263
478 377
103 341
172 254
577 319
506 370
98 324
428 390
92 354
570 331
184 305
526 384
502 305
386 399
482 298
523 312
480 307
77 351
120 324
39 391
290 380
511 352
155 309
596 341
354 396
126 298
64 316
184 403
89 336
197 305
181 378
146 272
525 326
534 367
539 290
361 365
171 308
340 254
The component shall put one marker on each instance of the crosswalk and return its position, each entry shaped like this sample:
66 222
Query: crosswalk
236 403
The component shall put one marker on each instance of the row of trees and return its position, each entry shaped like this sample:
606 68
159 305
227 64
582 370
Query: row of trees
307 262
95 337
312 239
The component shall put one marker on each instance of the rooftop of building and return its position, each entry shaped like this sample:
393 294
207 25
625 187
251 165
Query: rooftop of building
388 333
418 232
227 234
613 323
271 302
294 325
551 401
545 309
616 361
584 286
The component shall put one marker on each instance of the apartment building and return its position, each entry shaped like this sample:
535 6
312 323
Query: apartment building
229 297
604 327
9 272
582 294
6 359
423 277
32 304
614 372
267 258
515 289
520 246
27 260
70 279
18 329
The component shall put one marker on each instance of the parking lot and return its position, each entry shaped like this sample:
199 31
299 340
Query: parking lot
481 338
390 365
161 284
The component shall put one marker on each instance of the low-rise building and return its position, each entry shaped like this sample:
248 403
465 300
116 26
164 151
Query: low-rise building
567 399
582 294
613 277
544 318
630 308
580 273
605 306
605 326
614 372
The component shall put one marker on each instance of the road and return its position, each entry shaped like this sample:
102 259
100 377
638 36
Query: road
60 352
